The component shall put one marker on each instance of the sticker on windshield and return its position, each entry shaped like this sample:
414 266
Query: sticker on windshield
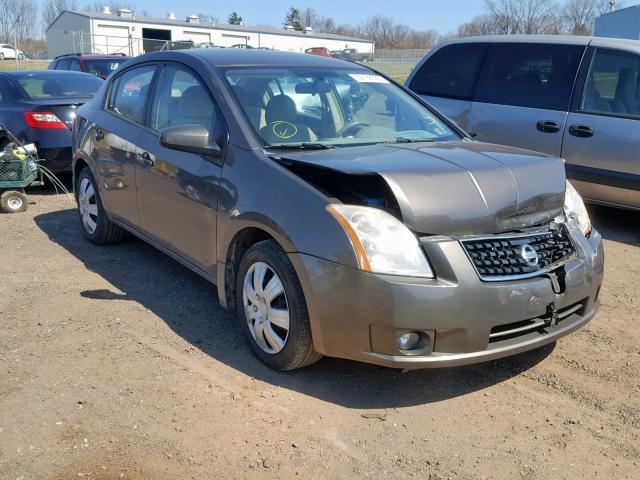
368 78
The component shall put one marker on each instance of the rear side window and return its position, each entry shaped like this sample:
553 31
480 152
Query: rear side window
613 84
75 66
63 64
129 92
529 75
450 72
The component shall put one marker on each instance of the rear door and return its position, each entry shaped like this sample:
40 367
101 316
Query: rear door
177 190
602 135
115 132
523 94
446 79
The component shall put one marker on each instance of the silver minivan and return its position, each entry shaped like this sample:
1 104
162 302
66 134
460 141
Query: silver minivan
575 97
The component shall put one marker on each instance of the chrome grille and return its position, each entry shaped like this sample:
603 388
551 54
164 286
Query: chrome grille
501 257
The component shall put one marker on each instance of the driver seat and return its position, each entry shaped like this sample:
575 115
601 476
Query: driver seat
281 116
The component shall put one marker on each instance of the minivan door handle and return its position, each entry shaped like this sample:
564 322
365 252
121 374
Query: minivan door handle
548 126
582 131
144 159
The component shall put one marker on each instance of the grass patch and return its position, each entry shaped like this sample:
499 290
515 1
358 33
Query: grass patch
24 65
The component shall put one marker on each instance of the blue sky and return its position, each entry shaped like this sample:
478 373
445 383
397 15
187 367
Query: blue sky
443 16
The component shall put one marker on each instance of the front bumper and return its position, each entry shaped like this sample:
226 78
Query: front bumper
359 315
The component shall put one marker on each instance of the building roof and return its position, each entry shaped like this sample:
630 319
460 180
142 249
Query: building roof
218 26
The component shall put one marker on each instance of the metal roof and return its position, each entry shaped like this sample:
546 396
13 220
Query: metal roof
218 26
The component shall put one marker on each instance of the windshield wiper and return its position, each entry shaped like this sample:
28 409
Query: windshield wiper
302 146
410 140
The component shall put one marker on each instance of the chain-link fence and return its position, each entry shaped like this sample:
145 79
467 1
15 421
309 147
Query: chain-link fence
397 63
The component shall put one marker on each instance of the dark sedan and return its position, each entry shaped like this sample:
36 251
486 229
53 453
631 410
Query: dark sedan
40 106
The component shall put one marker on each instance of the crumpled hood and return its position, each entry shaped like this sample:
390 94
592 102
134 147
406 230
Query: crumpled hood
460 187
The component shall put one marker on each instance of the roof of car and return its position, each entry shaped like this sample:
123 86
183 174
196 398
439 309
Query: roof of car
92 56
558 39
224 57
44 73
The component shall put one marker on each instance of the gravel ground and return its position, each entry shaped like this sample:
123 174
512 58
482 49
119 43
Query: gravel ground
116 362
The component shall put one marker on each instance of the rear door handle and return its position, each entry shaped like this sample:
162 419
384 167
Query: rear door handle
99 134
548 126
145 159
582 131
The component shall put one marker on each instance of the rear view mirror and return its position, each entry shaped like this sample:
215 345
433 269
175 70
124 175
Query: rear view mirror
190 138
313 87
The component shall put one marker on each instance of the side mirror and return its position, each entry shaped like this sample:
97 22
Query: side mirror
192 138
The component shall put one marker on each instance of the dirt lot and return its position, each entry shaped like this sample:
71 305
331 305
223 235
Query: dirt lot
117 362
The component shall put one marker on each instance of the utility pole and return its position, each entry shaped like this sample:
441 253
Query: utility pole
15 46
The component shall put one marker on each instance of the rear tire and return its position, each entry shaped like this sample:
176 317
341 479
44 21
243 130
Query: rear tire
96 226
12 201
272 310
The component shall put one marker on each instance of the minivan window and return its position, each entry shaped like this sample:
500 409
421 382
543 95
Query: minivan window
331 107
180 99
129 93
613 84
450 72
63 64
533 75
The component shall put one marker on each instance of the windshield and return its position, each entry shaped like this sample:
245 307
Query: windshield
61 85
324 108
102 68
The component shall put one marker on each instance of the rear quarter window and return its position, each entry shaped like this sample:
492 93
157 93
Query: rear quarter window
533 75
450 72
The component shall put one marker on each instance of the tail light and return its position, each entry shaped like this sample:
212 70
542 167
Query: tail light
43 120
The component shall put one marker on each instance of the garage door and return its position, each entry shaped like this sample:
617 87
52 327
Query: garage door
111 39
197 37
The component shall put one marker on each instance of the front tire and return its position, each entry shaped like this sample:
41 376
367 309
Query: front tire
272 310
96 226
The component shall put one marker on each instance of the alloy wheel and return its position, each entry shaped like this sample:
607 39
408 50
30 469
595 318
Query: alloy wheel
88 205
266 308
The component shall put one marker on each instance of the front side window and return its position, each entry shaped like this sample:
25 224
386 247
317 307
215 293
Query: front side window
450 72
530 75
181 99
129 93
613 84
331 107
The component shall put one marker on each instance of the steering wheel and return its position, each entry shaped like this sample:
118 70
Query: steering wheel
351 129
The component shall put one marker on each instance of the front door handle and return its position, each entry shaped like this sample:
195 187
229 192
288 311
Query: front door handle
582 131
145 159
99 134
548 126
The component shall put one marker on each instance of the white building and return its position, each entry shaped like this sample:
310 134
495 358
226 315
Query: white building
130 34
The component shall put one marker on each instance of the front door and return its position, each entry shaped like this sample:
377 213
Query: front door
523 95
177 190
602 136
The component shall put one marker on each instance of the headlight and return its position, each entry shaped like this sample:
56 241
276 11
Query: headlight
382 244
575 210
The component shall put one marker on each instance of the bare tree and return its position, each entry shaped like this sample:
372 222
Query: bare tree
578 16
52 8
18 20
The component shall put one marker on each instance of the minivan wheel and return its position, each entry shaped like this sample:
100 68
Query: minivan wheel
272 310
96 226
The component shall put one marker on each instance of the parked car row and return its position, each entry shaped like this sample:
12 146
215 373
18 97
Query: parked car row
575 97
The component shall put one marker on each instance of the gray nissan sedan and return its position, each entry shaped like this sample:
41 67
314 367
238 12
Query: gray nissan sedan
336 212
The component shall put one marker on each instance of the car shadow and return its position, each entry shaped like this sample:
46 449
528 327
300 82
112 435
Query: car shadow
188 304
616 224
